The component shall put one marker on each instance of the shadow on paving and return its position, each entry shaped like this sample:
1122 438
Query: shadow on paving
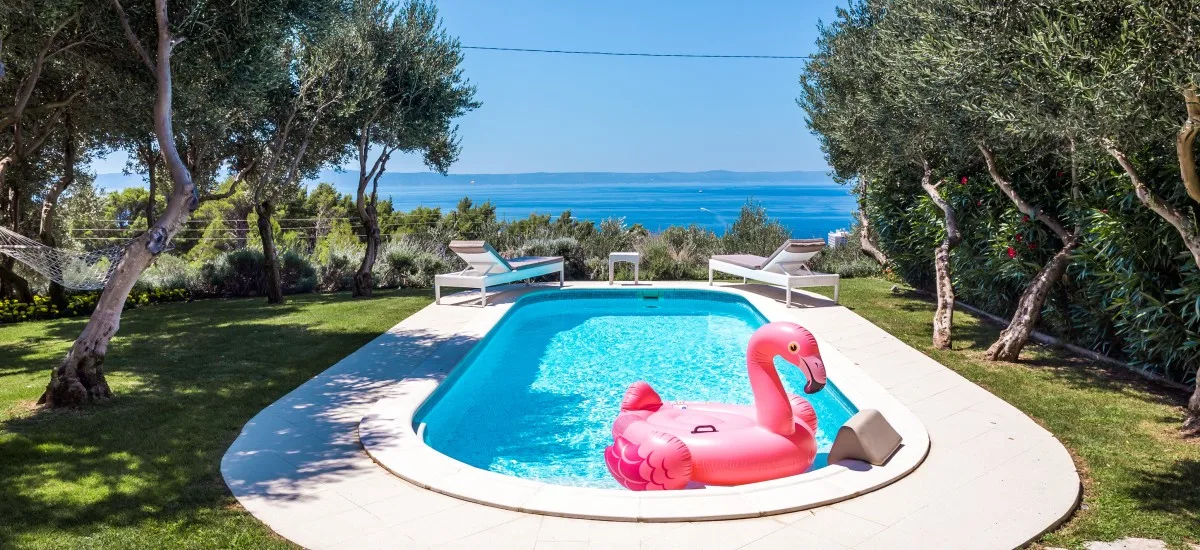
314 430
151 456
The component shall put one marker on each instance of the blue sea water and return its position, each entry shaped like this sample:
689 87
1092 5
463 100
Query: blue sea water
810 204
537 397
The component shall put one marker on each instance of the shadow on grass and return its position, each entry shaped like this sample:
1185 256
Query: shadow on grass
187 377
1172 491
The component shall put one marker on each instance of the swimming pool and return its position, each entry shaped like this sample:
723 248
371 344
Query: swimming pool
536 398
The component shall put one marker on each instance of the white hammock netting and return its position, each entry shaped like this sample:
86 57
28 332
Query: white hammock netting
69 268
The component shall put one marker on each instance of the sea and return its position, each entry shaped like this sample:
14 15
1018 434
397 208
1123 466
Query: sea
809 204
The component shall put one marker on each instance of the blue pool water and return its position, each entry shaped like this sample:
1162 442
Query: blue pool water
537 397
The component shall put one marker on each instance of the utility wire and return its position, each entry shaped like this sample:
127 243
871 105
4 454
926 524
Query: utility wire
637 54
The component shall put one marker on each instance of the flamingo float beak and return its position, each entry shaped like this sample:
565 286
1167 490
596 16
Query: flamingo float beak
814 373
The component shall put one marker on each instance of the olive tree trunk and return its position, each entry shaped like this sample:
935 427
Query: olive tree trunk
79 379
58 294
1029 307
364 281
272 281
943 316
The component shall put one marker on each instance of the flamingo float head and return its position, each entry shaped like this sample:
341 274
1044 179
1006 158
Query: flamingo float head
796 345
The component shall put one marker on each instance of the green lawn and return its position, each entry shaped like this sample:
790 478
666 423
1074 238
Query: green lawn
1140 478
143 470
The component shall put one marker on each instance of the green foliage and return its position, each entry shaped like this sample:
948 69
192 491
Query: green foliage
678 253
753 232
849 261
1048 88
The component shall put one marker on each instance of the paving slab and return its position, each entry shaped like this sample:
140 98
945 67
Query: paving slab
993 478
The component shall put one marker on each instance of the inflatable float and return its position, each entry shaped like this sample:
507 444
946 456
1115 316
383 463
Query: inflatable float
659 446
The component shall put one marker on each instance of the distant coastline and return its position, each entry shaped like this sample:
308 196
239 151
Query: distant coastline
810 204
345 180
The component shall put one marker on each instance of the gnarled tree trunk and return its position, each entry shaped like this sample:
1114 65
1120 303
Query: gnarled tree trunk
1029 308
274 284
363 279
943 316
79 379
13 283
58 295
865 243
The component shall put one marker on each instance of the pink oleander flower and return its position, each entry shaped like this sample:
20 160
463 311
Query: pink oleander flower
1012 252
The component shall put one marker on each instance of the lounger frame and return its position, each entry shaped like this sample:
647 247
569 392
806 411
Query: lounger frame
472 277
789 276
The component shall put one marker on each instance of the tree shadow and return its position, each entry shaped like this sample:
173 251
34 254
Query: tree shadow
187 377
1172 491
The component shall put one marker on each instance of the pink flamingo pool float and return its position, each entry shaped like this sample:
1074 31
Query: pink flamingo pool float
658 446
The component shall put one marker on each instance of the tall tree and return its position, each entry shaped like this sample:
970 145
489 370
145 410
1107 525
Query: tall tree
421 91
38 42
217 43
307 124
872 126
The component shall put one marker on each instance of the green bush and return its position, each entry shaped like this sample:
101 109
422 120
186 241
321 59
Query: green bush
754 233
678 253
237 273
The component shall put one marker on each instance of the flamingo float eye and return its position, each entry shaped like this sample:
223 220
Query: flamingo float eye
793 347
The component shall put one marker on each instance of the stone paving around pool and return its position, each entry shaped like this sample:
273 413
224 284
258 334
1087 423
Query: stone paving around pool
993 478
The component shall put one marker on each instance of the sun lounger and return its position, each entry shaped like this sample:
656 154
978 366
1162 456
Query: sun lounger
786 267
486 267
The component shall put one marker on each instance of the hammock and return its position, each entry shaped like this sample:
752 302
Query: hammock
69 268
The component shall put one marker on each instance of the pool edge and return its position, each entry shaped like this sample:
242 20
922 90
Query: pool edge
387 435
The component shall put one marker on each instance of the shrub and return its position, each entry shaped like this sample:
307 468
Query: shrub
237 273
296 273
754 233
678 253
336 274
847 261
405 263
574 262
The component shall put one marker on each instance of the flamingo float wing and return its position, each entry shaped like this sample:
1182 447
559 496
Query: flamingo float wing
803 411
659 463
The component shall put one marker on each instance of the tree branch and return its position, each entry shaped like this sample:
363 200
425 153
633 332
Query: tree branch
1023 206
233 185
133 38
953 235
1165 210
1185 143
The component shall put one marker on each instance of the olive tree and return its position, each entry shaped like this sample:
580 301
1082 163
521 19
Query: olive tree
308 122
421 91
874 127
215 41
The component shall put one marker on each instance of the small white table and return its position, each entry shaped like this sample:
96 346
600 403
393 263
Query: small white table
631 257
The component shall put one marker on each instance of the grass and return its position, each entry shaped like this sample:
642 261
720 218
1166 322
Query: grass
1141 479
143 469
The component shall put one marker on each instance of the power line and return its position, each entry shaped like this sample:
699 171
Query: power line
636 54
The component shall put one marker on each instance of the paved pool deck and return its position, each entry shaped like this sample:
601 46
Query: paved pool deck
992 478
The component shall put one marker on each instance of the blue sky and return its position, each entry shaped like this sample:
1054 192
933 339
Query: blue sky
567 113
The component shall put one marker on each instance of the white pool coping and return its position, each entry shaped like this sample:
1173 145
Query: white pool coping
993 478
388 434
